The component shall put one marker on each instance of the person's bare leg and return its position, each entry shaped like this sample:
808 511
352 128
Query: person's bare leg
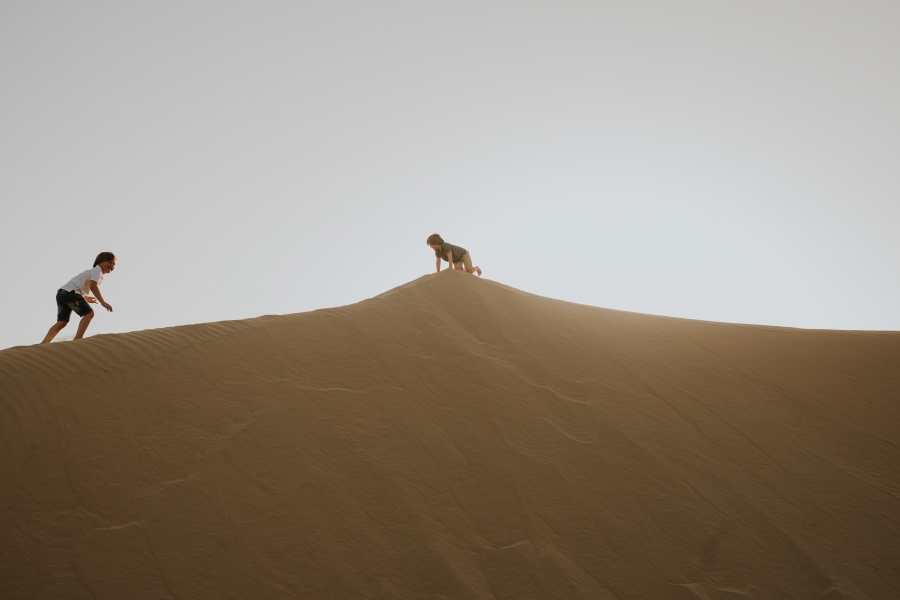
53 331
83 325
467 265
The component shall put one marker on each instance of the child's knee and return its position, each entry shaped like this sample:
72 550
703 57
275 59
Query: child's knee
88 316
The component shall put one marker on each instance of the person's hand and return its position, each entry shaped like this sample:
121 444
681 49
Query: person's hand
91 299
106 306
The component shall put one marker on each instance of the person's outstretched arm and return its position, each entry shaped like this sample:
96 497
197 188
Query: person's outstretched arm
450 260
96 289
437 264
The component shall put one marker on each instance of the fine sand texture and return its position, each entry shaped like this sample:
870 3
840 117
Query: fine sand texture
453 438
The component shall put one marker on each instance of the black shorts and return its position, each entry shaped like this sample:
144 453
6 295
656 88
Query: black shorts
66 302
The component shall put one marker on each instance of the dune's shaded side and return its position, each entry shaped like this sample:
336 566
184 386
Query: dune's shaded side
453 438
30 378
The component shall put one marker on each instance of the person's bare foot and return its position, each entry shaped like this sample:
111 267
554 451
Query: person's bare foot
478 270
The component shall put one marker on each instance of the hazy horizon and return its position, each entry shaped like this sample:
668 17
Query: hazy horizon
719 162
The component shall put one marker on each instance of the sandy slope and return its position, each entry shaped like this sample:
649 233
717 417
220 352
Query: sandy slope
453 438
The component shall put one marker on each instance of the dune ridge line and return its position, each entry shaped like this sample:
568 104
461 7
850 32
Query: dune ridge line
453 438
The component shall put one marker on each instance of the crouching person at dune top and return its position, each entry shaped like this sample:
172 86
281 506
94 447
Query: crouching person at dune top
457 256
75 296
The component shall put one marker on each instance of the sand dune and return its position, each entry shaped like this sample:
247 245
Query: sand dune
453 438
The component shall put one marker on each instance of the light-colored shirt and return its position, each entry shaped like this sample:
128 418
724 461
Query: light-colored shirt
81 283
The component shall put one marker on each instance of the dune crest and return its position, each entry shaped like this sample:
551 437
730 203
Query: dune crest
453 438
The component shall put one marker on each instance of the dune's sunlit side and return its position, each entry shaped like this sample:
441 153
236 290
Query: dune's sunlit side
453 438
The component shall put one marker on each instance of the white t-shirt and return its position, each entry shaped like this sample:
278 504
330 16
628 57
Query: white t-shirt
81 283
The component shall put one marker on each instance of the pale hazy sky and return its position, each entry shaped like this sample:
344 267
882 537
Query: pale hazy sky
729 161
